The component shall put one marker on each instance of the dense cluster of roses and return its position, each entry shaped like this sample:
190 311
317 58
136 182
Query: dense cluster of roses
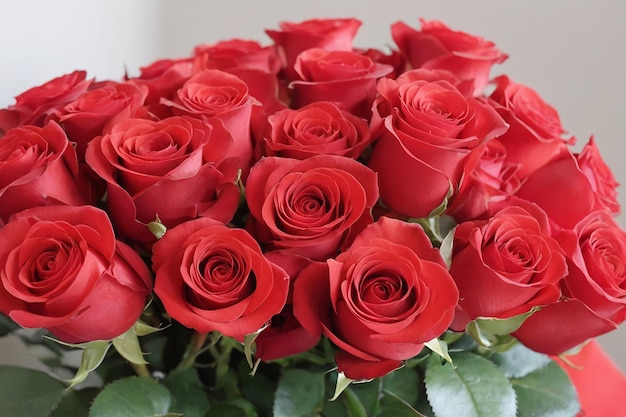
292 180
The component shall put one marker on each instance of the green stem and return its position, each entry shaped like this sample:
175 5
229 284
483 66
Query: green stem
141 370
193 350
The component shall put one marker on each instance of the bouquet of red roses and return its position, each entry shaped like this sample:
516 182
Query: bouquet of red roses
303 229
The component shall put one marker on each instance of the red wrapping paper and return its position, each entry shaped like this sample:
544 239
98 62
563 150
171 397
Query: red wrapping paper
600 384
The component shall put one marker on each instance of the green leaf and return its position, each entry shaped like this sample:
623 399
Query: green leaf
226 410
519 361
93 355
188 394
28 393
546 392
132 397
404 384
7 325
474 388
258 389
392 405
75 403
127 345
299 393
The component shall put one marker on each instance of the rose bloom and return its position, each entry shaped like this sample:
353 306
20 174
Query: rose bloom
63 270
239 53
38 167
436 46
84 118
214 278
380 300
218 94
329 34
535 133
506 265
318 128
492 179
571 186
33 106
594 290
173 169
429 130
310 208
346 78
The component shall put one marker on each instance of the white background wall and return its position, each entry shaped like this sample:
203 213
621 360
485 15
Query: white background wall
572 52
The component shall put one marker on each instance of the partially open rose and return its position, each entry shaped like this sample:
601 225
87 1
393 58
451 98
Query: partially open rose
319 128
62 270
312 207
214 278
379 301
506 265
173 169
594 289
38 167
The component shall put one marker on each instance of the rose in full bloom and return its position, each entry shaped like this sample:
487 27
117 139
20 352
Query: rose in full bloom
318 128
535 132
214 278
380 300
63 270
506 265
312 207
84 118
436 46
173 169
38 167
346 78
431 137
329 34
571 186
594 289
33 106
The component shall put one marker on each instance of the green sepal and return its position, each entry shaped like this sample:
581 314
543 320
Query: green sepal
127 345
439 347
93 354
157 228
491 331
342 383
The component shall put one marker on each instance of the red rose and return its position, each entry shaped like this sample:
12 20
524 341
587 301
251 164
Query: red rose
214 93
318 128
594 289
379 301
38 167
311 207
238 53
430 129
535 133
492 179
63 270
436 46
84 118
600 176
329 34
214 278
566 192
346 78
34 105
506 265
173 169
163 79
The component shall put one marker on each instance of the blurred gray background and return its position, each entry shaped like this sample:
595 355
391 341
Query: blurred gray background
573 53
